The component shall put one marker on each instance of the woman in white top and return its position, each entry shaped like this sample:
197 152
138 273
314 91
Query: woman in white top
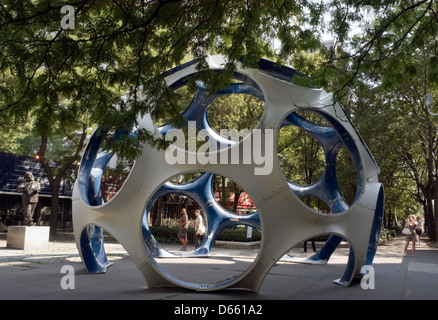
199 227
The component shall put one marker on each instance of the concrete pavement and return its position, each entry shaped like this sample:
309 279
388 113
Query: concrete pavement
40 275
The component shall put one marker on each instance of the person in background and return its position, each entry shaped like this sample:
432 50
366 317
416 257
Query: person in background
420 228
411 224
183 228
199 227
313 245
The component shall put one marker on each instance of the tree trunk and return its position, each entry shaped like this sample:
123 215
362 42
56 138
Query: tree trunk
224 191
55 180
434 221
429 218
54 203
236 200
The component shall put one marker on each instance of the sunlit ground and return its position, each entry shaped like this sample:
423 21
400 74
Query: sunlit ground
36 274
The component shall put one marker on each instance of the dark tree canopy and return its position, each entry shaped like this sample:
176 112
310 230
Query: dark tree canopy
114 47
68 66
59 62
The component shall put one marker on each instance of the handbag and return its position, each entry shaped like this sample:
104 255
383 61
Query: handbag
406 231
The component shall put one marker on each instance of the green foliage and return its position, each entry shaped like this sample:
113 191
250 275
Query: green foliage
64 81
170 235
238 234
18 140
121 48
235 111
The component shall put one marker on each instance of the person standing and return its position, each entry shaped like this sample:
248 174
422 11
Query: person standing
199 227
411 224
313 245
183 228
420 228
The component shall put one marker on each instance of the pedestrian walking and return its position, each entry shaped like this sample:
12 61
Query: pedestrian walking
411 224
183 229
199 227
420 228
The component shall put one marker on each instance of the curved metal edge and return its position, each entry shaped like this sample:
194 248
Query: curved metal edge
92 250
376 227
217 218
352 268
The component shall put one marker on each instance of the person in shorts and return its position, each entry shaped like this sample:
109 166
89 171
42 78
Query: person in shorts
183 228
411 223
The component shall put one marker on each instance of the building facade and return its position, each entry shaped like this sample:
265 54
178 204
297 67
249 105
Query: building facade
12 170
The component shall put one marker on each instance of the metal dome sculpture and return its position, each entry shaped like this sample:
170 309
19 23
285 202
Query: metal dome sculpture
281 216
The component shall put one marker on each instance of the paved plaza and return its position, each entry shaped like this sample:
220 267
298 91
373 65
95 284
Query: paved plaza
39 275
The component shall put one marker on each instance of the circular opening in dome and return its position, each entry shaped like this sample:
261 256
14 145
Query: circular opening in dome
316 162
101 174
233 116
224 264
232 197
346 176
185 178
114 176
164 218
232 112
179 100
307 248
300 154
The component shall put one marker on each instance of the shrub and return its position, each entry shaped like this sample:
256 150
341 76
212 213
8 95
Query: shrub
170 235
238 234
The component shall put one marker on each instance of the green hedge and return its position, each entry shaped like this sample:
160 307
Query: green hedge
170 235
238 234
